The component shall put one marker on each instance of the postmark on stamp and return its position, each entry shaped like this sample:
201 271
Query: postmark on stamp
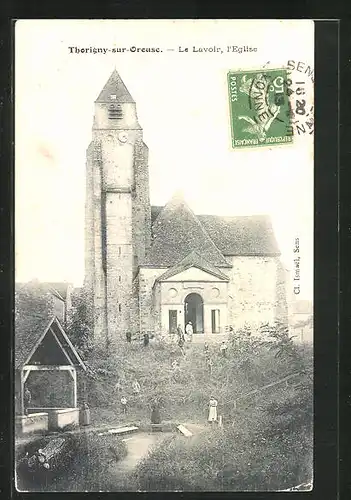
299 83
260 112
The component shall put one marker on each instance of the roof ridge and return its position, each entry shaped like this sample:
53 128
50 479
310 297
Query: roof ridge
197 221
176 268
115 86
207 235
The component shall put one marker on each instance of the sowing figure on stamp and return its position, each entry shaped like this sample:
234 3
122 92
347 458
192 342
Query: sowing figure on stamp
271 112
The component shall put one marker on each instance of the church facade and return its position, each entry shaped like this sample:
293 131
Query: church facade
151 268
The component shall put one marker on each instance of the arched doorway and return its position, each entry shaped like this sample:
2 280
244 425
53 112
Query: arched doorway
194 312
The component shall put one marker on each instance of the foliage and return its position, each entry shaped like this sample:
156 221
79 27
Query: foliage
79 327
266 442
94 460
32 304
92 467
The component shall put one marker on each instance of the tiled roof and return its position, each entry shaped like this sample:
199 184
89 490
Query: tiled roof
28 331
34 313
155 210
115 86
241 235
176 233
193 259
58 289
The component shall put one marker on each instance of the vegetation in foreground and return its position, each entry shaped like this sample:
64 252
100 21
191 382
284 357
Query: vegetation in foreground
266 441
88 464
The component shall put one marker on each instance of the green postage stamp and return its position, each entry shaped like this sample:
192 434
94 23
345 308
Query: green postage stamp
260 112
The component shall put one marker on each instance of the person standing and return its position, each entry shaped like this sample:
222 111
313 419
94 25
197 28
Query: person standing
124 404
209 365
129 336
181 342
212 414
180 332
146 339
189 331
175 364
136 387
155 413
223 349
118 386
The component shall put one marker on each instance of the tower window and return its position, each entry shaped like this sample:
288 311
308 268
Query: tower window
119 250
113 96
119 307
115 112
119 279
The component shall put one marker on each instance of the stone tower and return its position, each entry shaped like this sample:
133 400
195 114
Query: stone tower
117 212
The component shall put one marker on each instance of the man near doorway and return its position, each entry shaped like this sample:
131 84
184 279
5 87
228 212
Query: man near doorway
189 331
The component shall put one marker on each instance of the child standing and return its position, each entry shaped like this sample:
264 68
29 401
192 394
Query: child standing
124 404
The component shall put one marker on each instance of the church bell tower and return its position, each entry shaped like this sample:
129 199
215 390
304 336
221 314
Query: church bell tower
117 211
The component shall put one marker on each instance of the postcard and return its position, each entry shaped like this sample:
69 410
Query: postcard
164 255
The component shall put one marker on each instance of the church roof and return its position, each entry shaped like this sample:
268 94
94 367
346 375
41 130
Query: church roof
241 235
237 235
115 86
178 232
193 259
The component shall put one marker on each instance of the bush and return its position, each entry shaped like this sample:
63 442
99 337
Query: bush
267 448
266 443
95 457
89 465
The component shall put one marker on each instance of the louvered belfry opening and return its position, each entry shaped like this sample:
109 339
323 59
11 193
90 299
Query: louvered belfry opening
115 112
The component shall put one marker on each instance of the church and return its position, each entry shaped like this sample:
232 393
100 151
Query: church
151 268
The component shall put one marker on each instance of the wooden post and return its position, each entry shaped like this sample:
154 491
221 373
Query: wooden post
75 402
22 391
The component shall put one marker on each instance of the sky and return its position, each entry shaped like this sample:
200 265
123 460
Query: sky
182 105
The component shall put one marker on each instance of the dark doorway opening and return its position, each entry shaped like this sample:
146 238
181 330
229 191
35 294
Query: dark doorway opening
194 312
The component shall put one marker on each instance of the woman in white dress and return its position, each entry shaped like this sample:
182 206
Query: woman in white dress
212 415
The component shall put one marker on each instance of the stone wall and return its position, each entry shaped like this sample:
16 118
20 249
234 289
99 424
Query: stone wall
58 418
117 220
149 317
252 291
35 422
141 204
213 293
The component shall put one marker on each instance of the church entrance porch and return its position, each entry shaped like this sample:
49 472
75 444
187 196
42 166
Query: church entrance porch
194 312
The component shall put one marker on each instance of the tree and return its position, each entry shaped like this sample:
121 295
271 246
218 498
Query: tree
79 326
33 303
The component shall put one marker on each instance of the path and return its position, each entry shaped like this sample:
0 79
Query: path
138 446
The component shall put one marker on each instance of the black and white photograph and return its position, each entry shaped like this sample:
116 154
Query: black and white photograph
164 255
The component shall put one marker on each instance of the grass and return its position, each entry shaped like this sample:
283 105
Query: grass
184 393
89 468
259 452
266 441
